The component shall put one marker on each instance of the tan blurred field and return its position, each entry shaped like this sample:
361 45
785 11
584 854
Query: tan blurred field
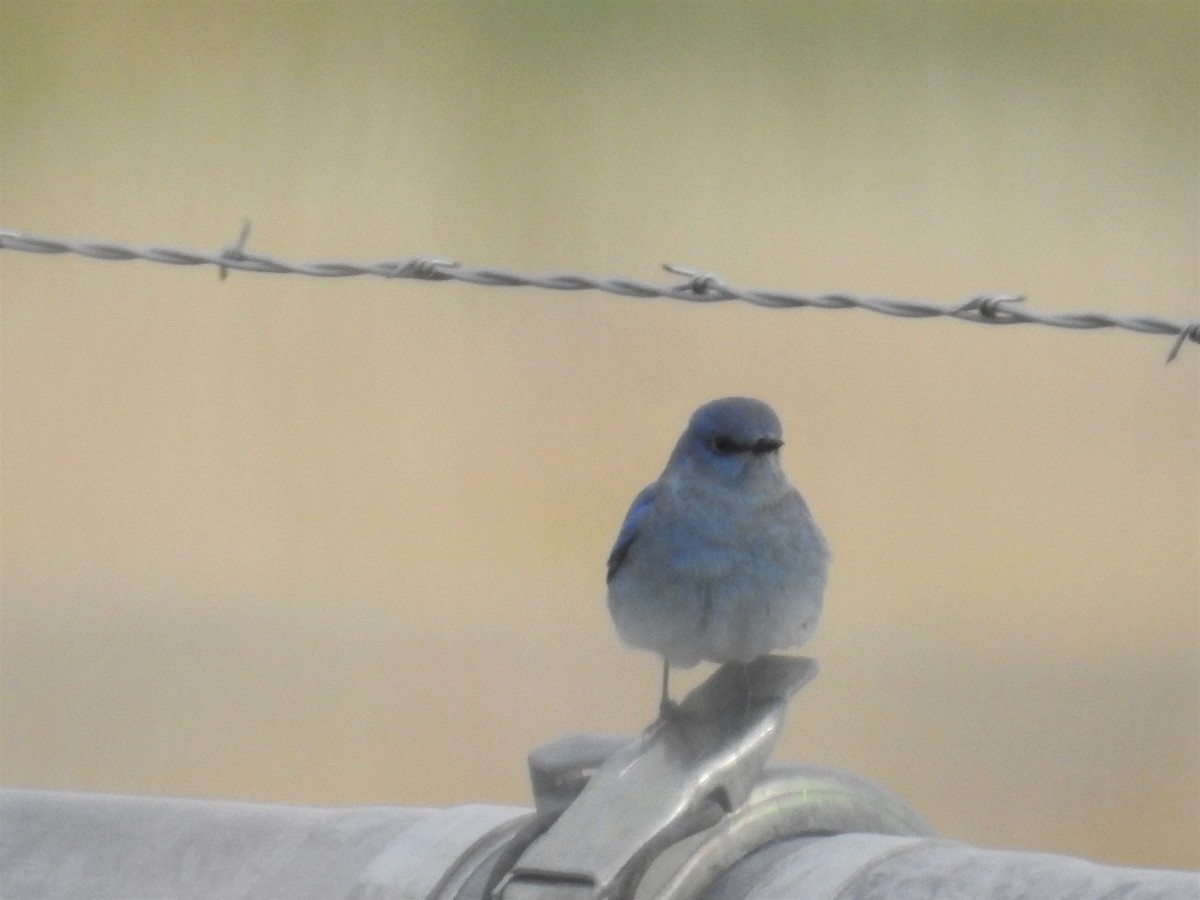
341 541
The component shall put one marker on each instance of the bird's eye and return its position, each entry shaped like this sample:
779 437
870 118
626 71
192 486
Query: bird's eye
725 445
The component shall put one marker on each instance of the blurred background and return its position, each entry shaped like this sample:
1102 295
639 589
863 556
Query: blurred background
342 541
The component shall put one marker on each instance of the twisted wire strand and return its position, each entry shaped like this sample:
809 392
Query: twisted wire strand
699 286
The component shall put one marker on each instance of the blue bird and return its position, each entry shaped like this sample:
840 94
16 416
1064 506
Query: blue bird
719 559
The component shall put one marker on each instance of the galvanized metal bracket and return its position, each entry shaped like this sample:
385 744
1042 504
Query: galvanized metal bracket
608 806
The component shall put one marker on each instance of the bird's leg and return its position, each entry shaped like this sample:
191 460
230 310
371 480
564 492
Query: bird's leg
665 707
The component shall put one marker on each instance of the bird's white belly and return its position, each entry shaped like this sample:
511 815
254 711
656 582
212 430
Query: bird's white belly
715 602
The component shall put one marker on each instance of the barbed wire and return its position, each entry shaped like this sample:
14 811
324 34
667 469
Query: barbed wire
700 286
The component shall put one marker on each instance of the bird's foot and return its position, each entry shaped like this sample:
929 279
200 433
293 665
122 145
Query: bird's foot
668 709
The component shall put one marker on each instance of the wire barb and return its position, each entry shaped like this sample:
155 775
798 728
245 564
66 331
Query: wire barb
426 268
990 308
1189 333
698 282
235 251
700 286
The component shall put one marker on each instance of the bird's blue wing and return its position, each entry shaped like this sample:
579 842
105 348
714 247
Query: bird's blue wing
629 529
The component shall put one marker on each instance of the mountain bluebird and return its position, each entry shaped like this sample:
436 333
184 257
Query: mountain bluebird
719 559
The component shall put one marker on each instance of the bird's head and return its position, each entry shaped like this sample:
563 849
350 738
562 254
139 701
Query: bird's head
734 440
